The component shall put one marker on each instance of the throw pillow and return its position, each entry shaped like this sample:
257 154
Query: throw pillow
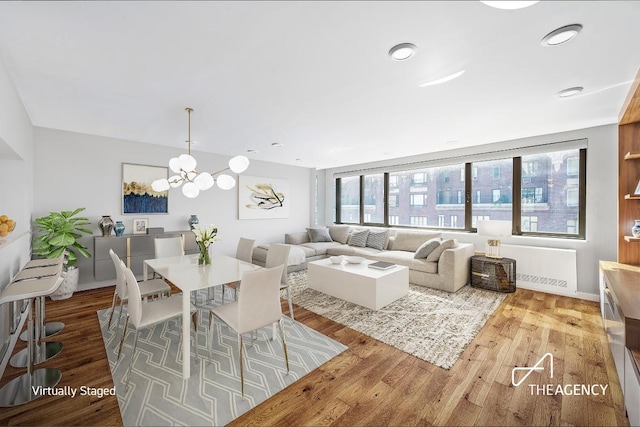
410 241
377 239
339 233
444 245
358 238
319 235
426 248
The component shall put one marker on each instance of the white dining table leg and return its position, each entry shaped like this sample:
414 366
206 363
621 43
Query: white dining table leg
186 335
144 271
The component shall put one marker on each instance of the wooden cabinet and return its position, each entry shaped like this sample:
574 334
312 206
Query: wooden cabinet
133 249
631 388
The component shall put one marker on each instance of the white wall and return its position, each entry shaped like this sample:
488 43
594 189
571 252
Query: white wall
16 188
77 170
602 200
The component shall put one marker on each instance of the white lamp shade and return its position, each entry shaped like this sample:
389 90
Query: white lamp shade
225 182
175 181
204 181
238 164
160 185
174 164
494 228
187 162
190 190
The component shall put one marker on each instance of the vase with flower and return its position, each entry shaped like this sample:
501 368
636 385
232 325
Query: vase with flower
205 236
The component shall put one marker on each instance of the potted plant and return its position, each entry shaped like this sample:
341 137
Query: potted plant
60 231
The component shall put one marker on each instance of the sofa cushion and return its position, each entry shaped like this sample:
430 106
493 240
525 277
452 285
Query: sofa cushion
406 258
426 248
358 238
339 233
377 239
320 248
444 245
296 238
352 251
411 241
320 234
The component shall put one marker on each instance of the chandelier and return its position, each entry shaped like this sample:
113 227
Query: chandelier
185 168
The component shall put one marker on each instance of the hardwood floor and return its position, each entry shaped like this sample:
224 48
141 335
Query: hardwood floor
374 384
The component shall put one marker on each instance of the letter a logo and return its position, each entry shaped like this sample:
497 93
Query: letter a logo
529 371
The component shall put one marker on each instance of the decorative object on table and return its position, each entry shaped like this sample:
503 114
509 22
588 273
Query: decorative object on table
494 229
263 198
138 196
354 259
205 236
336 259
7 225
495 274
60 231
635 230
140 225
185 168
119 228
106 225
155 230
193 221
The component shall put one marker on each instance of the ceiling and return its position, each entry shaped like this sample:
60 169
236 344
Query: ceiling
316 76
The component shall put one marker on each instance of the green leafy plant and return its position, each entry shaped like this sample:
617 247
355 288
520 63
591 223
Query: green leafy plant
60 231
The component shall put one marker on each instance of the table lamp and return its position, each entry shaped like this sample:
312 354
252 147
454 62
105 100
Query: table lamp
493 229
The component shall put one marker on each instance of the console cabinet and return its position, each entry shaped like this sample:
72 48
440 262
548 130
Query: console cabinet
133 249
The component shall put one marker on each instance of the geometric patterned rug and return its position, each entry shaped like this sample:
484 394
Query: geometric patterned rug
432 325
158 395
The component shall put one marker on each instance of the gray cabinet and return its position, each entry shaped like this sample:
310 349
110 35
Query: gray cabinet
133 249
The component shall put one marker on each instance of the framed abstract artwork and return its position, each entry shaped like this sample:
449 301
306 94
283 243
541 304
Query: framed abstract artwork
140 225
137 195
263 198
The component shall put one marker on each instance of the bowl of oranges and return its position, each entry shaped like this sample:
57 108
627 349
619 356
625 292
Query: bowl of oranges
6 225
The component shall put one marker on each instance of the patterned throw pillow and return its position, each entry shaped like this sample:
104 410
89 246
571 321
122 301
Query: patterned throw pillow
426 248
320 234
377 239
358 238
444 245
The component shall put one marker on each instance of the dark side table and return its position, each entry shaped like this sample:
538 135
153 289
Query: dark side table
495 274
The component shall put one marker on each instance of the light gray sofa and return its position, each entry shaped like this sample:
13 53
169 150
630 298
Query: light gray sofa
449 272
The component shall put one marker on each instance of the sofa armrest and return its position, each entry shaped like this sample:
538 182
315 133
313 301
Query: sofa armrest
296 238
454 265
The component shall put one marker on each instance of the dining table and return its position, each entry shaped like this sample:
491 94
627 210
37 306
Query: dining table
187 275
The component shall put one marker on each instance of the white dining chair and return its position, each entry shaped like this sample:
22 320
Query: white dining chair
244 252
148 288
168 246
149 314
278 254
258 305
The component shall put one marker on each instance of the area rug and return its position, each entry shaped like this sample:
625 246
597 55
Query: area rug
158 395
432 325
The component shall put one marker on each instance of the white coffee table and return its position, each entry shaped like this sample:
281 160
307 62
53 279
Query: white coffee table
359 284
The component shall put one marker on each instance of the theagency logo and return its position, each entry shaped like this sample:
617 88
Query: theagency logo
555 389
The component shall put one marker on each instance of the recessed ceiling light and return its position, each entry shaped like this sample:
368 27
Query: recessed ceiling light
252 151
276 144
402 51
443 79
561 35
565 93
509 5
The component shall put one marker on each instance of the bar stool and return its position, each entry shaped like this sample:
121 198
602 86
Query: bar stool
48 329
44 350
24 388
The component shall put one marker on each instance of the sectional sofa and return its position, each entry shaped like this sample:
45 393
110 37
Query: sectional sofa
445 266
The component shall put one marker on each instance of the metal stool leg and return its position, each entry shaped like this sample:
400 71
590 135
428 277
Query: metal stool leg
29 386
46 329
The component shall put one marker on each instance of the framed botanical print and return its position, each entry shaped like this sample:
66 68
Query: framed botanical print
140 225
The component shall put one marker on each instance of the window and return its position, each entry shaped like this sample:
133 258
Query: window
543 193
350 199
374 198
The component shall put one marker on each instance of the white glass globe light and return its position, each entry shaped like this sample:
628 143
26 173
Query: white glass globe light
160 185
190 190
174 164
239 164
204 181
226 182
187 162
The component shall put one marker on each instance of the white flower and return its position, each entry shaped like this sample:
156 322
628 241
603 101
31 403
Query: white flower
206 234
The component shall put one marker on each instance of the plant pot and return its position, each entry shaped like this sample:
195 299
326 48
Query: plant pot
68 286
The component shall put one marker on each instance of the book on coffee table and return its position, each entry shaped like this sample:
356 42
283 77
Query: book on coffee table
382 265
